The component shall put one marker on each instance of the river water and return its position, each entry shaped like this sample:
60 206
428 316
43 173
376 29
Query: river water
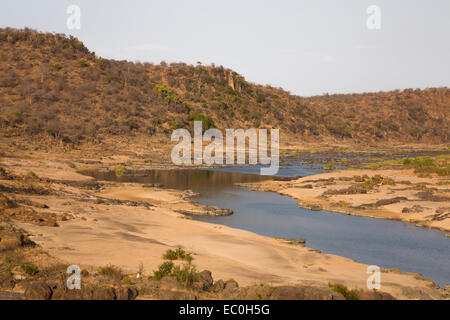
379 242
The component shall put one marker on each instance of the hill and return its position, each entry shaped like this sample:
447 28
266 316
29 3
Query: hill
52 85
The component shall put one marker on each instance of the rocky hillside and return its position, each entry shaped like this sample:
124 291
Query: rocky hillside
52 85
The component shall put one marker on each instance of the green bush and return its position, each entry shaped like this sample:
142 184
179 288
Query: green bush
207 121
186 274
328 166
179 253
30 269
82 63
348 294
119 171
164 269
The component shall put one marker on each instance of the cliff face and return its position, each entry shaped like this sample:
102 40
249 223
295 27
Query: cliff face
53 85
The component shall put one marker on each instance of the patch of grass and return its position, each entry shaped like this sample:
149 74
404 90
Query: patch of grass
31 175
110 271
439 165
345 204
30 269
328 166
342 289
127 280
176 254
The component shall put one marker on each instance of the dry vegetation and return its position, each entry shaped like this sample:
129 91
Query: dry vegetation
52 85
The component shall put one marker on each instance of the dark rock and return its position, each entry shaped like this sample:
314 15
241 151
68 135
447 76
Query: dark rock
153 185
304 293
205 280
299 241
385 202
287 178
218 286
104 293
38 291
374 295
128 293
413 209
429 196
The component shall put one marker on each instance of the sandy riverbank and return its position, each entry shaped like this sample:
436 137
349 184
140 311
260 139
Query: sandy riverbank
126 235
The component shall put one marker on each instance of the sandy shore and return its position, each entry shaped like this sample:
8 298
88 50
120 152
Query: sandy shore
127 236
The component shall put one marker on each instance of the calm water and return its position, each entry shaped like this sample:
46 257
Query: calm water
373 241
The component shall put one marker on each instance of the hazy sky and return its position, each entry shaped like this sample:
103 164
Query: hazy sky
307 47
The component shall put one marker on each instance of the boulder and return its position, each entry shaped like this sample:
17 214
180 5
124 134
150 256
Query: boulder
231 284
218 286
374 295
104 293
205 280
304 293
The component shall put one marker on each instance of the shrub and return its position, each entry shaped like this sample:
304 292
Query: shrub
164 269
207 121
127 280
119 171
57 65
4 174
170 255
110 271
439 165
179 253
328 166
30 269
406 161
186 274
348 294
82 63
31 175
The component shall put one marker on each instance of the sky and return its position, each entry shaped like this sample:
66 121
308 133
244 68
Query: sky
308 47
